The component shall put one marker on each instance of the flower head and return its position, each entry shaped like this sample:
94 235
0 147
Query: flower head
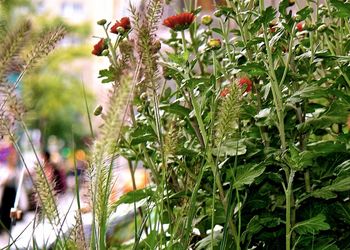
214 43
206 20
300 26
180 21
99 47
245 81
123 24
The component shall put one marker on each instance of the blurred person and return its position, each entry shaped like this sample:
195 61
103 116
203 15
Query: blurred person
8 164
54 174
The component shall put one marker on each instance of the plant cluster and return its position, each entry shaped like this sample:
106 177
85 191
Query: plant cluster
242 121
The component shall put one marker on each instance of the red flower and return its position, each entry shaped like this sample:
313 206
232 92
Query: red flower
224 92
99 47
245 81
300 26
123 23
180 21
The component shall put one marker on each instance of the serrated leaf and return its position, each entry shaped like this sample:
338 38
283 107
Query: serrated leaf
246 174
268 15
108 75
323 194
312 225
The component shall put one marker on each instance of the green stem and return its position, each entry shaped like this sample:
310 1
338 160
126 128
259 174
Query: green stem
276 91
288 194
289 57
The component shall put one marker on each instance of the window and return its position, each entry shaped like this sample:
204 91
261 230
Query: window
71 9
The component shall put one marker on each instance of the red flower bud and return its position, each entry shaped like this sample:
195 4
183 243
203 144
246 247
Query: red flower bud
123 23
99 47
300 26
245 81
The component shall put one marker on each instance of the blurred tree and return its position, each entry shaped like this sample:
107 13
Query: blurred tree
55 99
52 92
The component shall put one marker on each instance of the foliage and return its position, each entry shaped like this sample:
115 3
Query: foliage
234 166
267 165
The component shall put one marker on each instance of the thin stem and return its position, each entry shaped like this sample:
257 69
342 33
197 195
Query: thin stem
289 57
276 92
288 194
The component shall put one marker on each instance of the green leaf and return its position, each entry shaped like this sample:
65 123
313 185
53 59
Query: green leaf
268 15
305 12
254 69
312 225
282 8
151 241
256 224
143 139
230 148
108 75
323 194
134 196
343 9
246 174
336 113
176 108
340 184
206 242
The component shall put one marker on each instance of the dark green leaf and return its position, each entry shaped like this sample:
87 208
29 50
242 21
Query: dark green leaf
343 9
143 139
134 196
313 225
176 108
108 75
246 174
305 12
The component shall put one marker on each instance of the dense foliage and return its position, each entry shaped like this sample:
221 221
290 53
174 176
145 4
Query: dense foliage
265 158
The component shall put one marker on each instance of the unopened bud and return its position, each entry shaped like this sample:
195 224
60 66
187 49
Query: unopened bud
120 30
214 43
218 13
206 20
98 110
102 22
143 96
310 27
297 18
139 109
105 52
